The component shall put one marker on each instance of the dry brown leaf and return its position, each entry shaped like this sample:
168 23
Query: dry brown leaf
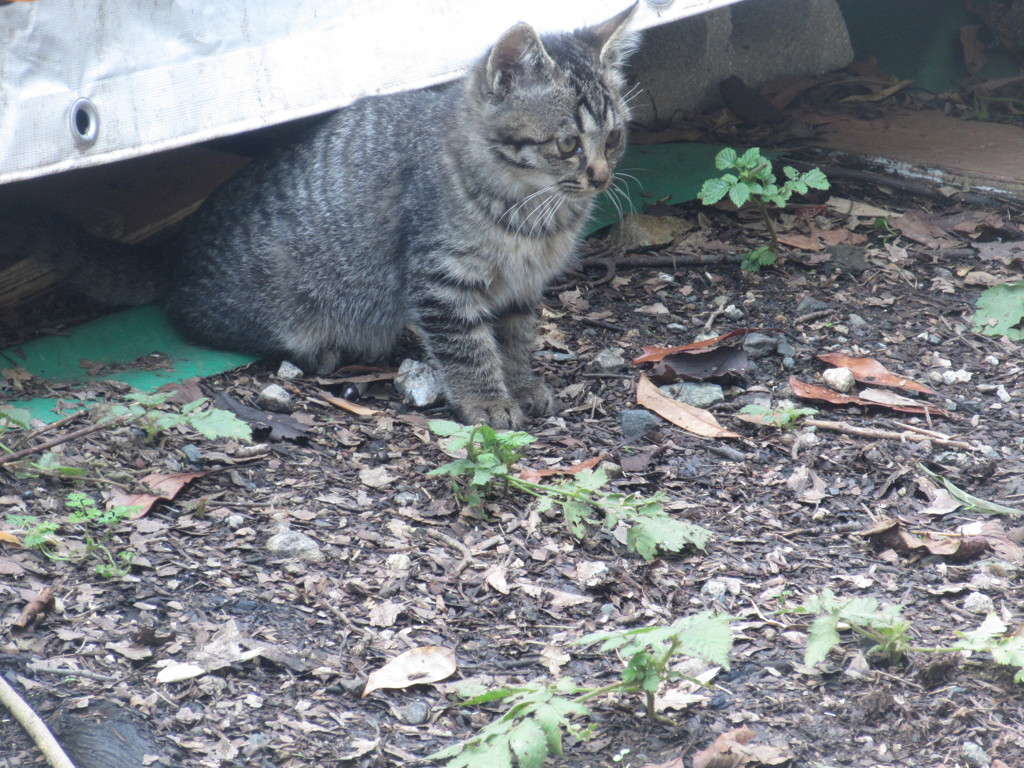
920 229
693 420
891 534
813 392
654 354
496 579
870 371
416 666
657 308
535 475
9 538
861 210
376 477
164 486
559 598
987 279
33 613
803 242
881 95
676 763
347 405
808 487
837 236
724 751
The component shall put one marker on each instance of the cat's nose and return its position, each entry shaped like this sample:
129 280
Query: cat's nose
599 175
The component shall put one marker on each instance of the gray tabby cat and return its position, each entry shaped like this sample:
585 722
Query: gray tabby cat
448 210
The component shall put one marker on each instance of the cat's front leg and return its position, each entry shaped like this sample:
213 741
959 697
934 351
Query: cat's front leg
516 329
467 356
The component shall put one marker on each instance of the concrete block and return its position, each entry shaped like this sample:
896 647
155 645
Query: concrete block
679 65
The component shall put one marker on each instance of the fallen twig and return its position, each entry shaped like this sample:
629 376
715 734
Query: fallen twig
887 434
72 672
50 427
34 726
62 439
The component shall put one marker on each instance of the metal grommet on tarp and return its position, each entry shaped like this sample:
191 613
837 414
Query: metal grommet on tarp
84 122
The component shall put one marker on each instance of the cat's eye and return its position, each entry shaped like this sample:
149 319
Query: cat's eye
614 139
568 145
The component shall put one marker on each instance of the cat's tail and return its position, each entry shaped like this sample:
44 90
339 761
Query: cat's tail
106 271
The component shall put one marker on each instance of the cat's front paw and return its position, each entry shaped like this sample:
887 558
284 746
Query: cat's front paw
535 397
496 413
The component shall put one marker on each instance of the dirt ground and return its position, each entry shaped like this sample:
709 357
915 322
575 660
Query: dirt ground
287 643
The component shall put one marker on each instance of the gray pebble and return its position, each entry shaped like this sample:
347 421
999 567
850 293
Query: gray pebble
977 603
810 304
975 756
699 395
287 543
417 384
758 345
609 360
637 422
857 321
275 398
416 713
288 370
193 455
788 363
785 349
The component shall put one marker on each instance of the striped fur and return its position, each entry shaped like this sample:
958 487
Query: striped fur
448 210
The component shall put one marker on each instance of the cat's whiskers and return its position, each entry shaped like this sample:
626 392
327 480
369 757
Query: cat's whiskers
514 211
632 94
552 205
538 214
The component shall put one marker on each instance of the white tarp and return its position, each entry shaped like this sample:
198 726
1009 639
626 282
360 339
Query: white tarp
85 82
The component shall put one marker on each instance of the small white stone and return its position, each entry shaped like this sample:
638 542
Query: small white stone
288 370
399 562
417 383
609 360
839 379
287 543
275 398
1002 394
978 603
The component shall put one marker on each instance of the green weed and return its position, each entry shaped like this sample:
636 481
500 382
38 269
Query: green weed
582 499
754 182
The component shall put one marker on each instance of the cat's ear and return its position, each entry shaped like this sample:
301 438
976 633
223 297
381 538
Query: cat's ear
610 40
517 59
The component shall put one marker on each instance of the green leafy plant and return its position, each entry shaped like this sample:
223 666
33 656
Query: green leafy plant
13 417
885 627
540 714
783 418
85 512
890 632
49 463
36 534
991 637
754 182
883 227
211 423
486 471
1000 311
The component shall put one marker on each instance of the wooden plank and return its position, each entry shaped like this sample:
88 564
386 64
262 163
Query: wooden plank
928 145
